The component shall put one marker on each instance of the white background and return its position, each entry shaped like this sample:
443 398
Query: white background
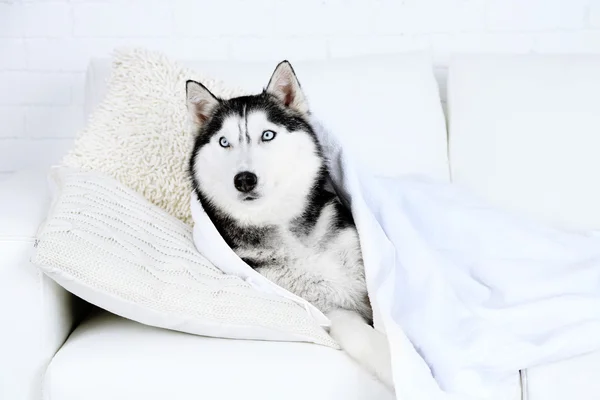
45 45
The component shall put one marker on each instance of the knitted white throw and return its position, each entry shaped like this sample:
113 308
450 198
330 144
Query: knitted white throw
108 245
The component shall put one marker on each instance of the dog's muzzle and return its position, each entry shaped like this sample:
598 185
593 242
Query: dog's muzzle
245 181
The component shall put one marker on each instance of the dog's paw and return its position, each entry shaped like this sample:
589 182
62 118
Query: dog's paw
361 342
346 330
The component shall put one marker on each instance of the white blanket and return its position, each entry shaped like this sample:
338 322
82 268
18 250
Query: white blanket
467 294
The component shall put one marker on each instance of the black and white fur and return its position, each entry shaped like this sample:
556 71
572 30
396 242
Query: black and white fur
259 173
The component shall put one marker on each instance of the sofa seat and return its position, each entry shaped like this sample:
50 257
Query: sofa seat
574 378
108 357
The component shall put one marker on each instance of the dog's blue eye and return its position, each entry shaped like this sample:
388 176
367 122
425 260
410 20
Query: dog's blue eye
223 142
268 135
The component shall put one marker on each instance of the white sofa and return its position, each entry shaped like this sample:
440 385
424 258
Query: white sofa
521 131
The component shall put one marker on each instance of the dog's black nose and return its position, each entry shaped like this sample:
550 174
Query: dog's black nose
245 181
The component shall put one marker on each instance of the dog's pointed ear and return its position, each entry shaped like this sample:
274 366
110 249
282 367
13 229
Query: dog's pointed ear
200 102
285 86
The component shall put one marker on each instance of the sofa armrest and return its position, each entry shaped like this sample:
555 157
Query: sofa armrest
37 315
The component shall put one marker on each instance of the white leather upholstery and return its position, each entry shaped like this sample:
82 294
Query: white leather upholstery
108 357
37 315
405 131
524 133
493 144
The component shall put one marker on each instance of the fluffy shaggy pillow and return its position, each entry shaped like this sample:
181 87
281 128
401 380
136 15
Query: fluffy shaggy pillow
110 246
139 134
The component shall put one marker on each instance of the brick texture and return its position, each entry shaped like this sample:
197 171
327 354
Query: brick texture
45 45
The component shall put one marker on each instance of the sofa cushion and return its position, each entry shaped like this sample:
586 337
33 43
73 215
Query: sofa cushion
108 357
574 378
524 133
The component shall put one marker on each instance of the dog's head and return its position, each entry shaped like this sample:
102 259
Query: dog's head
255 158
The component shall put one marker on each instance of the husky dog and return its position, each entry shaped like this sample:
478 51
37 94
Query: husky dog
259 172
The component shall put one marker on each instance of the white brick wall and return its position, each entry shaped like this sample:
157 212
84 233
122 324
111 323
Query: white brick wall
45 45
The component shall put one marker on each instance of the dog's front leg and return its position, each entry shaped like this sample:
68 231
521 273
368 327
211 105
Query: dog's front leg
364 344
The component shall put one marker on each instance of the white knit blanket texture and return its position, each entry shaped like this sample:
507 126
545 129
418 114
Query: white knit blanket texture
107 244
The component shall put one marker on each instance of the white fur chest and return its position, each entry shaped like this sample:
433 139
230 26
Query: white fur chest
324 268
